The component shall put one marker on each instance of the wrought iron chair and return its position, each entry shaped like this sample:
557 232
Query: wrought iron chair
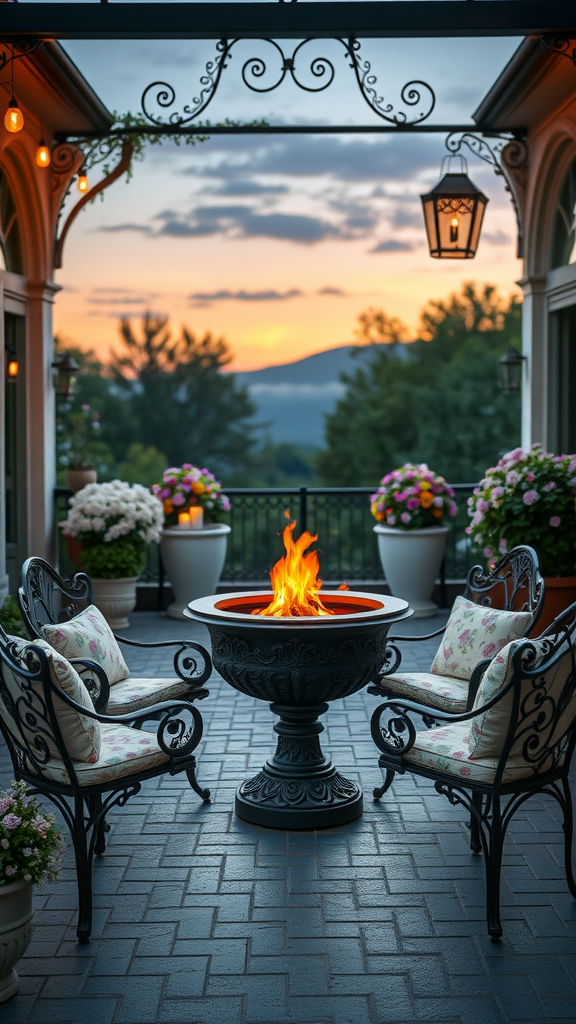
514 584
46 598
31 709
533 740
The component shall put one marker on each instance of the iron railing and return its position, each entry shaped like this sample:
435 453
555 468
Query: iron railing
340 516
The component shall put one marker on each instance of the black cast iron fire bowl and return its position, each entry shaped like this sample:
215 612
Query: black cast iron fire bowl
298 665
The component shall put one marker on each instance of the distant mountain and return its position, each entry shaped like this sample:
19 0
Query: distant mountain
294 398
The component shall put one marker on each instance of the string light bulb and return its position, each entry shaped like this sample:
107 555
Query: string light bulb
14 118
43 155
83 180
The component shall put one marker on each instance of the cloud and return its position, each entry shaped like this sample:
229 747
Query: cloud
246 222
145 228
270 295
393 245
331 291
246 187
352 160
139 300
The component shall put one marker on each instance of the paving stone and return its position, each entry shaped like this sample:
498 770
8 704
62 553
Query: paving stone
203 919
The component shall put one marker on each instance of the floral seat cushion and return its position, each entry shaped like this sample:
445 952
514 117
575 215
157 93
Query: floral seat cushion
475 632
89 636
123 751
133 694
447 750
443 692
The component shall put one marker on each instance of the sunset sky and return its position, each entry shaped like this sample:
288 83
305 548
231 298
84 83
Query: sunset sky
278 243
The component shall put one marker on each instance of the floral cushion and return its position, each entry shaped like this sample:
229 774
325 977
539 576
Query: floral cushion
538 699
447 750
443 692
133 694
474 632
88 635
123 751
80 734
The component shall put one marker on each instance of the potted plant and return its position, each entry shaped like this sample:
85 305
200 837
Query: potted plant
76 434
411 506
30 852
114 522
193 545
528 498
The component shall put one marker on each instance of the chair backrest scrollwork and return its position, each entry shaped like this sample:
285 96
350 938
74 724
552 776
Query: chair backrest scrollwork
513 584
46 597
28 718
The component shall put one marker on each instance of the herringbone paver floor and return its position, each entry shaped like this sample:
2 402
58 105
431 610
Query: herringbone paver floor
203 919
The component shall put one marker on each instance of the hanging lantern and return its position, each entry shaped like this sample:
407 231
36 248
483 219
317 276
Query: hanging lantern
510 365
66 370
82 180
43 155
453 213
14 118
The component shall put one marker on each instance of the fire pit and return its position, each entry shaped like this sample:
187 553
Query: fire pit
298 664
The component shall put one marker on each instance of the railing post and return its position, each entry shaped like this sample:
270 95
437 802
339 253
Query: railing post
303 508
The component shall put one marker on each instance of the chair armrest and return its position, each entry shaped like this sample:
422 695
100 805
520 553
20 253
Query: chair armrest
415 639
186 665
175 737
95 680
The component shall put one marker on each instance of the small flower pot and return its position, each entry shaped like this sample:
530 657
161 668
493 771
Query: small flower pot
15 933
79 478
559 593
411 561
115 599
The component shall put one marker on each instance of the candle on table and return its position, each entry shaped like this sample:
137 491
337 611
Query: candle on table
192 519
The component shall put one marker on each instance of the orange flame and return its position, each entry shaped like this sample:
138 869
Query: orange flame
295 580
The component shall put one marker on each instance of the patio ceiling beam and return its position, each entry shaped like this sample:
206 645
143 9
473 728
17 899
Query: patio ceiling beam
391 18
295 129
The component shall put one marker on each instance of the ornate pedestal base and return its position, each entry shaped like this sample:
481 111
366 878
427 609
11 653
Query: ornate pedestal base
299 787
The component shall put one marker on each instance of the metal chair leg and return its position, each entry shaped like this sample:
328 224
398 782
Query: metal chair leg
83 858
191 775
493 866
379 791
102 826
475 841
568 827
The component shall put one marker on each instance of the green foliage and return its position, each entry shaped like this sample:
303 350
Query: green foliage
11 620
115 560
282 465
181 400
30 844
435 400
143 464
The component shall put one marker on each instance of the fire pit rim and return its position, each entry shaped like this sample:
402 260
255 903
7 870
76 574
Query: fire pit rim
205 609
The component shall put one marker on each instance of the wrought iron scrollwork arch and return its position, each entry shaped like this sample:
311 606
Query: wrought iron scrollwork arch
417 97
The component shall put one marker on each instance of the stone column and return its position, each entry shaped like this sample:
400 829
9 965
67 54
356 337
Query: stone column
535 367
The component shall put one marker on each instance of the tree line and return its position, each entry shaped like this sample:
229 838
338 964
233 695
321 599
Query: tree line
164 398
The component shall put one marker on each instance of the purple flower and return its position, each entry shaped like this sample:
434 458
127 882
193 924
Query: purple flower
178 499
488 552
405 517
529 497
11 821
413 503
555 521
502 546
10 870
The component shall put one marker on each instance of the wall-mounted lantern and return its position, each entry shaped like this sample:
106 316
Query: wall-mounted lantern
510 365
65 377
12 365
453 213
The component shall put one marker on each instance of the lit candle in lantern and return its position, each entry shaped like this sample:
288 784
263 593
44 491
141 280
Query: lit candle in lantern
192 519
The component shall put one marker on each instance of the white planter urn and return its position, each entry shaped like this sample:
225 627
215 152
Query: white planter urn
411 561
15 933
193 560
115 599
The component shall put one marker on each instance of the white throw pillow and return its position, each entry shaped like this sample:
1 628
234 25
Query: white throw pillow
81 735
89 636
474 632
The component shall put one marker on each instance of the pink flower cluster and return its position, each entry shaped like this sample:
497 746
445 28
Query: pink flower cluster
187 485
412 497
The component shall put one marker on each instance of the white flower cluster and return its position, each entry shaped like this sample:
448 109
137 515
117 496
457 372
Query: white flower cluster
115 510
